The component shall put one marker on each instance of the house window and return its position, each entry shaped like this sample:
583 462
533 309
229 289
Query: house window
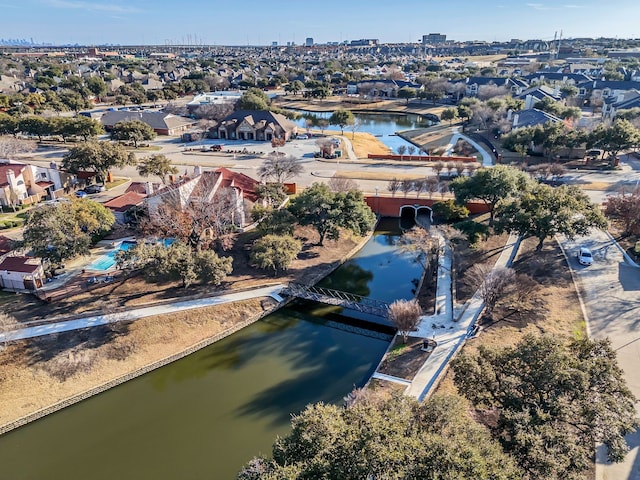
43 176
606 92
583 91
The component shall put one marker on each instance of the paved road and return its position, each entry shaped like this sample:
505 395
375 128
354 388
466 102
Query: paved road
138 313
611 295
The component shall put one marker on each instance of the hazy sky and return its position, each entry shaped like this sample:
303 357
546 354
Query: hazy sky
225 22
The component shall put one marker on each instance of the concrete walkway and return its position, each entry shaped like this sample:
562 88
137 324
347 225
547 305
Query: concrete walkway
487 158
135 314
448 327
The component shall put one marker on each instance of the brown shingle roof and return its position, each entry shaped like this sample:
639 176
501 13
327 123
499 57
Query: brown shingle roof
20 264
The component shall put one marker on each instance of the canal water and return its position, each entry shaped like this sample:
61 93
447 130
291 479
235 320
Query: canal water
383 125
206 415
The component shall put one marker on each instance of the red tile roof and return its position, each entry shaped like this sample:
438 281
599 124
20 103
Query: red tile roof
241 181
4 168
138 187
125 201
20 264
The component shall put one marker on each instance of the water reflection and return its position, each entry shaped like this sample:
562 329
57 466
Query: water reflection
381 125
206 415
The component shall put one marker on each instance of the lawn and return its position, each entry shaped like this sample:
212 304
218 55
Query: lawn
116 182
13 219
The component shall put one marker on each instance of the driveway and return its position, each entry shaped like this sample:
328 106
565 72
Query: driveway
610 289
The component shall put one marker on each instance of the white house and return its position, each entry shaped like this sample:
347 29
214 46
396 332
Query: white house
21 273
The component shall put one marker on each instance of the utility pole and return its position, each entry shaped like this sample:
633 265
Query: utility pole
559 41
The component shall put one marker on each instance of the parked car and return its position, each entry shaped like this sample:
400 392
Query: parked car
585 257
81 194
303 137
94 189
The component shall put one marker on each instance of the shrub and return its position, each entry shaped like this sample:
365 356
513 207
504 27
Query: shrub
449 211
275 252
474 231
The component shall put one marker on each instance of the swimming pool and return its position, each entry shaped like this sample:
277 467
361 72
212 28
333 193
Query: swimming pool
108 261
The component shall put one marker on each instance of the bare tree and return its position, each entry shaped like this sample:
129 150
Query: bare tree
471 168
460 168
418 187
485 92
557 170
214 111
342 184
354 127
451 166
280 168
176 109
431 185
402 149
625 208
491 283
405 316
411 149
406 186
393 186
7 323
422 244
444 189
205 214
438 167
11 147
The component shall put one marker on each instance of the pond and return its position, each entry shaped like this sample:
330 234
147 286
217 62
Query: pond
383 125
206 415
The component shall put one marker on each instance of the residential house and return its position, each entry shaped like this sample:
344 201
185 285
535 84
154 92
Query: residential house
380 88
555 78
21 273
624 101
260 125
161 122
531 118
23 184
533 95
595 92
512 85
122 203
205 186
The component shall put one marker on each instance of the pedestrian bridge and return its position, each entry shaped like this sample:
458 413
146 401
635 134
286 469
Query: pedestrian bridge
336 297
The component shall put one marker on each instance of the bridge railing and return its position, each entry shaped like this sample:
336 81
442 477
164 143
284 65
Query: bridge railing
345 299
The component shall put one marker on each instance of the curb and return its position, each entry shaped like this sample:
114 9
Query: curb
626 256
583 308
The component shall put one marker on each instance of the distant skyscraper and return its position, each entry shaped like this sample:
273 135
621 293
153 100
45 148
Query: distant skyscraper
434 38
274 44
308 42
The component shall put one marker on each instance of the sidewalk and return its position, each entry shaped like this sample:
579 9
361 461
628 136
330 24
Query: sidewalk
487 158
450 328
135 314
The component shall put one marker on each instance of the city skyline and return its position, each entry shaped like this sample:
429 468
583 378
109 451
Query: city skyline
142 22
